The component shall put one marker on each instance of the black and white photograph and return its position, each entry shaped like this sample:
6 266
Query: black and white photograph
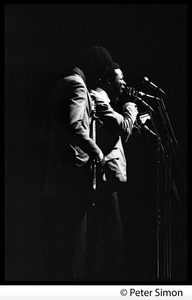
95 144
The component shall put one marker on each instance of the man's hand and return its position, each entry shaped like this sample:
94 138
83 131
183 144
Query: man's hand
100 163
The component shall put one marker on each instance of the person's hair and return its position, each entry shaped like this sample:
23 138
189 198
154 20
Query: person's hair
95 62
109 76
107 84
111 73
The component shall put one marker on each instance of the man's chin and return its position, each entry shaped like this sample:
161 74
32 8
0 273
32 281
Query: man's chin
121 92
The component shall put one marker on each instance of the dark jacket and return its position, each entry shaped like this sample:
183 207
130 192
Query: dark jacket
70 145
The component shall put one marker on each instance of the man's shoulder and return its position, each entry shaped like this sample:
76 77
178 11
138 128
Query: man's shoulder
74 78
101 94
70 80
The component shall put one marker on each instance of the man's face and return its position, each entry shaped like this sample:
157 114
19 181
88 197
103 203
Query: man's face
118 82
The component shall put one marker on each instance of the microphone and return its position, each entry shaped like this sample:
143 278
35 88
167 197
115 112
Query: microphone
134 93
139 100
154 86
146 128
141 94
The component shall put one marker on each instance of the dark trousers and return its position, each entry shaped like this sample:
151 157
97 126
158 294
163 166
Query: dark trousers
65 221
104 236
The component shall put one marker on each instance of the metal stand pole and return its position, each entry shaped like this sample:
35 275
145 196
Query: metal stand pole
165 186
159 204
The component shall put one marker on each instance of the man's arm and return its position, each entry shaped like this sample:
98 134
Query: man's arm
120 124
69 106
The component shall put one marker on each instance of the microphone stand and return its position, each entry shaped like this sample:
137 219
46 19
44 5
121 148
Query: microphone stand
165 185
93 165
93 127
160 151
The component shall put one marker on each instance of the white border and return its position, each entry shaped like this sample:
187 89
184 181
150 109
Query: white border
76 290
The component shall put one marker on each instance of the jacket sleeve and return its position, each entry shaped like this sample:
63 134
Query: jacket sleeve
120 124
71 112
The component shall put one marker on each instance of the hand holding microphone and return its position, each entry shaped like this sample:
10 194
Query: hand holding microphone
136 97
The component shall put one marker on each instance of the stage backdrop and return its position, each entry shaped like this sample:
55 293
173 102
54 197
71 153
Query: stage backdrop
41 40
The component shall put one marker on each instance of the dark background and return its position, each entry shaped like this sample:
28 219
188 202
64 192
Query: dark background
40 42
